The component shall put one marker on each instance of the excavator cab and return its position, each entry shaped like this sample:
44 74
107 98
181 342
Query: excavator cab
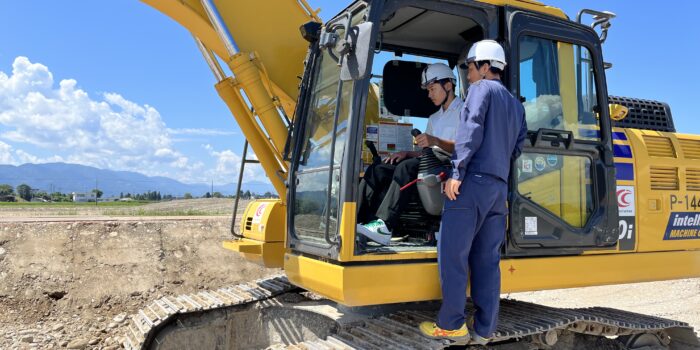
562 189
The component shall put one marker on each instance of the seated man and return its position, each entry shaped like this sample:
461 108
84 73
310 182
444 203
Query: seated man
381 198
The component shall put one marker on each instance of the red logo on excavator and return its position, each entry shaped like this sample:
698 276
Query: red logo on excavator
622 198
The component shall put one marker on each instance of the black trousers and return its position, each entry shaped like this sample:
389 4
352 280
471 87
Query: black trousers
380 191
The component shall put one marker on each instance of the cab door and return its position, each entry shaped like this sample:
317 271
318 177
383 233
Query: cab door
563 185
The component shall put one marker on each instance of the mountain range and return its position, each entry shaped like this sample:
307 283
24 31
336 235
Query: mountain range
67 178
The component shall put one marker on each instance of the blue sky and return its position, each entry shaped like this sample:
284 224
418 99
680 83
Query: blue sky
140 74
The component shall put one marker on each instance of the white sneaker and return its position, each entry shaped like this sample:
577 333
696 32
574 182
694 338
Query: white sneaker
376 231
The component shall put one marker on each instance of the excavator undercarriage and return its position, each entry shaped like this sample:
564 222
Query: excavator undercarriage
272 313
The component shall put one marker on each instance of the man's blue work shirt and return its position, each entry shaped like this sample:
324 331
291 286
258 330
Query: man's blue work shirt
491 131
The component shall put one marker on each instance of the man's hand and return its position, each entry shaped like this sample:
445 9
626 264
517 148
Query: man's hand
452 188
425 140
396 157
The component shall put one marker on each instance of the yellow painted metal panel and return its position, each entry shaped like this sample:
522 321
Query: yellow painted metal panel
657 207
395 283
245 247
250 75
265 220
229 92
276 39
268 254
347 231
323 278
190 15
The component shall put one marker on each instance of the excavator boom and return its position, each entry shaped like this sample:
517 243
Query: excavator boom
264 61
276 40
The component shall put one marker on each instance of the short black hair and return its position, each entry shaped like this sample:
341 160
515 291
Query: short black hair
492 69
448 80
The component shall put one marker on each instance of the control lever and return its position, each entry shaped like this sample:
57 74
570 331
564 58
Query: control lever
376 159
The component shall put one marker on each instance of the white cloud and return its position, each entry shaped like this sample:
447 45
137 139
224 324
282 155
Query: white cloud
25 157
6 156
228 165
107 131
227 161
201 132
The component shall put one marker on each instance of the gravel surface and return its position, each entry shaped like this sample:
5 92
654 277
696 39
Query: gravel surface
200 206
72 284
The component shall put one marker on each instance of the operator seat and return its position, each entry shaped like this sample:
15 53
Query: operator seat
403 96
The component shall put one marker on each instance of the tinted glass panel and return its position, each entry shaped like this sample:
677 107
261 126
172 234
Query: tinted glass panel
557 82
561 184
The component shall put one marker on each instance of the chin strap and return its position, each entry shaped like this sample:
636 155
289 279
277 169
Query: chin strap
447 95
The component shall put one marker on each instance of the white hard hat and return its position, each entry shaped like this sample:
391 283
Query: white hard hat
436 72
487 50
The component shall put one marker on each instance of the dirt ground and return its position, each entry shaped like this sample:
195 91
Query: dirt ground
200 206
72 284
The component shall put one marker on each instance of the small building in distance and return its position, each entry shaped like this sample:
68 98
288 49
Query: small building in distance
84 197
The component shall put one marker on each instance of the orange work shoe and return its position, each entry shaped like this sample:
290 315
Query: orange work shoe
431 330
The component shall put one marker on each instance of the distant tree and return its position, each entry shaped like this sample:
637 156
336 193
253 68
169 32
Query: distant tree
24 192
268 194
98 193
188 195
217 195
246 194
128 195
207 195
6 190
42 194
121 195
60 197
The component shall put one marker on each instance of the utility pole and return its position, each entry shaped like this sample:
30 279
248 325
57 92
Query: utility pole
212 188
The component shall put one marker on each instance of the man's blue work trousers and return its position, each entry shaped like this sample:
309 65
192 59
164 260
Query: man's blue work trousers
472 232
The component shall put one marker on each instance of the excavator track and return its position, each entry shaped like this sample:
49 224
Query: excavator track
145 324
229 318
537 324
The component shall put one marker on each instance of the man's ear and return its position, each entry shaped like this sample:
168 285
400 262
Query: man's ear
484 68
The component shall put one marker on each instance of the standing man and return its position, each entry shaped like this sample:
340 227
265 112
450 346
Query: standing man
381 197
490 135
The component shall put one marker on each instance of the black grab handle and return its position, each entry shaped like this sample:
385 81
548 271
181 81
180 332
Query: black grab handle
376 159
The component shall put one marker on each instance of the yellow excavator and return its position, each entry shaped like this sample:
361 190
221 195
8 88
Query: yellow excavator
605 192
